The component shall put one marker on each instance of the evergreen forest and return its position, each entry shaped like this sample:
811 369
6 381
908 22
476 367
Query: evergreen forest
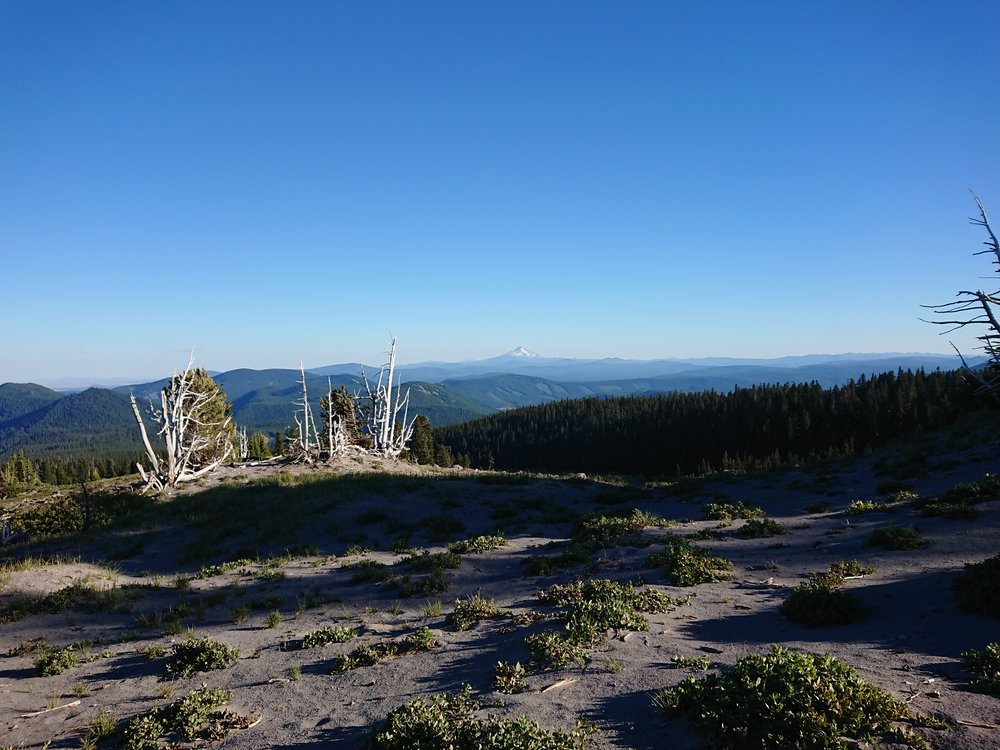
695 433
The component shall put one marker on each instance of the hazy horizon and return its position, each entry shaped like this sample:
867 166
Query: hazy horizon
268 182
74 382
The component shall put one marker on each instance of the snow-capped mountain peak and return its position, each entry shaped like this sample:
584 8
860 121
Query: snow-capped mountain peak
520 351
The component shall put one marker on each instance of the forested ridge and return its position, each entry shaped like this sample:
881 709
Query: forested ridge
684 433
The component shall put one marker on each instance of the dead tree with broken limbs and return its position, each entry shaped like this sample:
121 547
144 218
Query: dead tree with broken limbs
389 434
196 429
980 309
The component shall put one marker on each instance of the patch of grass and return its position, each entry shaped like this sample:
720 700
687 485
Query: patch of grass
273 619
199 655
977 588
896 538
428 585
815 604
332 634
857 507
509 678
786 700
820 507
449 721
985 668
102 726
427 562
240 614
731 511
210 571
956 511
82 594
761 528
478 544
431 609
685 564
368 571
471 610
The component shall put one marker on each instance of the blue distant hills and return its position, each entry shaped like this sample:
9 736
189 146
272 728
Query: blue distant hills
41 420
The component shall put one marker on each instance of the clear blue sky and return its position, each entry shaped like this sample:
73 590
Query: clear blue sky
266 181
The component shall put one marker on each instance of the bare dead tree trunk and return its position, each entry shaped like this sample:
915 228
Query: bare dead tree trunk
184 436
385 409
308 438
978 308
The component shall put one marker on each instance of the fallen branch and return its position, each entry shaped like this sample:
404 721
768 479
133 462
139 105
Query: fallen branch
47 710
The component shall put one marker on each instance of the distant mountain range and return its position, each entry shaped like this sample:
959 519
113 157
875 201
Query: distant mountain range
42 420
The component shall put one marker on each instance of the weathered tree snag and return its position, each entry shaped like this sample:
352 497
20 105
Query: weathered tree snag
308 438
389 438
193 447
978 308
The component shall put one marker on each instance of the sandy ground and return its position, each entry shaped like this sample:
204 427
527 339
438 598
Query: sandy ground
909 645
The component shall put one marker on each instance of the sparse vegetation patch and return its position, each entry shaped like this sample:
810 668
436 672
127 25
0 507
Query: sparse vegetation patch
199 655
977 588
786 700
686 564
449 721
985 667
896 538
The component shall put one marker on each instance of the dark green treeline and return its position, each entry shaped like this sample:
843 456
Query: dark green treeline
686 433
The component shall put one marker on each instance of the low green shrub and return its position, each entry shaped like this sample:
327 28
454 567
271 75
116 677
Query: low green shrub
51 663
199 655
323 636
816 604
366 655
977 588
193 717
857 507
731 511
478 544
368 571
789 701
471 610
985 668
840 571
685 564
422 639
552 650
428 562
509 678
896 538
761 528
987 488
447 722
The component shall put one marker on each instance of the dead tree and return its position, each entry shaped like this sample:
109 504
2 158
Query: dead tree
978 308
308 437
389 435
337 438
193 445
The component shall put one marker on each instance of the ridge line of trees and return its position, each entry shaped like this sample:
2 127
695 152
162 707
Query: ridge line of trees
695 433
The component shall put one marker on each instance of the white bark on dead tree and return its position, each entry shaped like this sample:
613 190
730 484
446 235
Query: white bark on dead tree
185 438
388 439
308 438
